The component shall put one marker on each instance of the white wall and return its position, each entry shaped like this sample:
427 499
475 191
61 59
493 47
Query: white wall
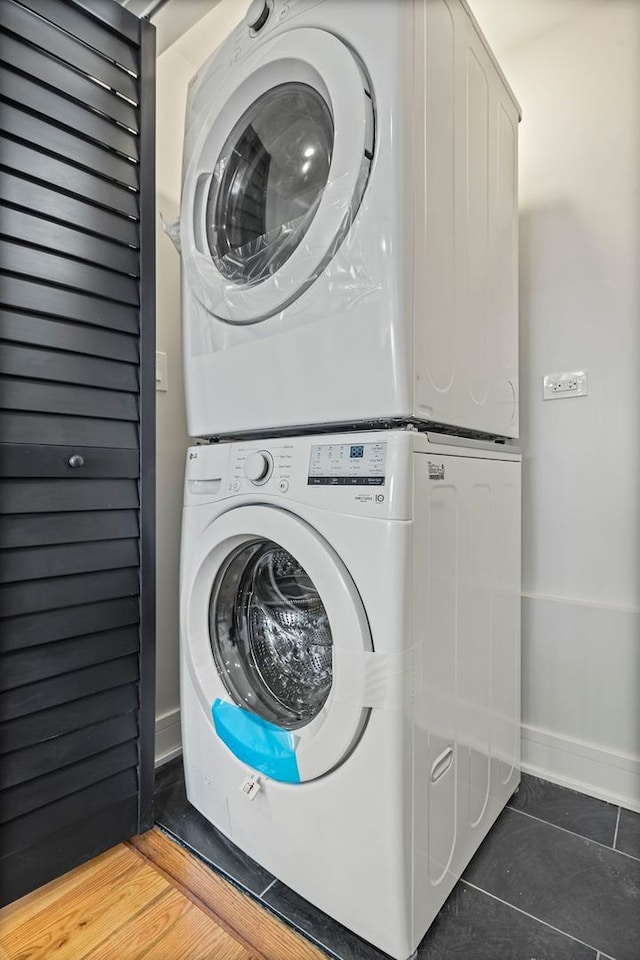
175 67
580 310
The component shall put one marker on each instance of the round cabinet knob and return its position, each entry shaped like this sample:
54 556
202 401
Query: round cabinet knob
257 467
257 15
76 460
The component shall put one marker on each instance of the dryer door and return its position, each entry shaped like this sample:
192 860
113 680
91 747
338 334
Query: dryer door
277 175
276 640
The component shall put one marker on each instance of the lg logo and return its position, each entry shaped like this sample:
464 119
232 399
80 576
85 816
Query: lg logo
379 497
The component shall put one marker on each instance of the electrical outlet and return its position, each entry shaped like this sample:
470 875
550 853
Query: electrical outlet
559 386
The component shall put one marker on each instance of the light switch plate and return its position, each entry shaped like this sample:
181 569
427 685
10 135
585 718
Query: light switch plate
559 386
161 371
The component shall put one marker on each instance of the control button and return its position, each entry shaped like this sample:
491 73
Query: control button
257 15
235 485
258 467
283 486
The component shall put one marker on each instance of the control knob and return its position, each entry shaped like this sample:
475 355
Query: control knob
257 467
257 15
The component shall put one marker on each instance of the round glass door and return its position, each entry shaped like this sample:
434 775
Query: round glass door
270 635
278 161
268 182
275 641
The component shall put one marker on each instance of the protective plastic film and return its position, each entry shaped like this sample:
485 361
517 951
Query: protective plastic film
374 679
347 280
268 182
172 230
261 745
269 202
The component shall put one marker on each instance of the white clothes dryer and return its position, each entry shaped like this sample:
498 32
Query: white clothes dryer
350 663
349 222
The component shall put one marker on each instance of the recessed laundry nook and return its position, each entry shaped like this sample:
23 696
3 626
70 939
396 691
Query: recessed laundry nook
319 522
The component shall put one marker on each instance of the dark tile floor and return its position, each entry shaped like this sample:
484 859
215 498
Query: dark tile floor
558 878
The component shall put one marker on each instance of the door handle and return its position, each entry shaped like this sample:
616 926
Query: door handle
76 460
441 764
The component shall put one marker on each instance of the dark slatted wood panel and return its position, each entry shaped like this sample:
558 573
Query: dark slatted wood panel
34 563
69 716
40 697
61 143
19 766
26 796
22 667
34 629
77 322
34 428
54 75
40 823
73 338
43 34
29 228
28 530
46 299
93 831
88 218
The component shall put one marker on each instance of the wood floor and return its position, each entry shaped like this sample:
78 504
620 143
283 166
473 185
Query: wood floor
148 898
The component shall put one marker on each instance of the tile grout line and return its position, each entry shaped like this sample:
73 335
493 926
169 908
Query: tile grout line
615 835
267 888
529 915
572 833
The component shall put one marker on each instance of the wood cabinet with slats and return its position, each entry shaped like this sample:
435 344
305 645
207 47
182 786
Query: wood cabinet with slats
77 422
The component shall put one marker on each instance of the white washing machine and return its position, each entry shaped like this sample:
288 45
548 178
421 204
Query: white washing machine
349 223
350 663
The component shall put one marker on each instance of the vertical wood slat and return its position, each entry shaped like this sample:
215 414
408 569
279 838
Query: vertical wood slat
147 423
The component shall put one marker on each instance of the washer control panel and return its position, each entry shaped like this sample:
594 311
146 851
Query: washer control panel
254 466
347 464
362 474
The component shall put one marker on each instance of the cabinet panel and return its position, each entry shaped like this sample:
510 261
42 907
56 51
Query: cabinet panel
77 434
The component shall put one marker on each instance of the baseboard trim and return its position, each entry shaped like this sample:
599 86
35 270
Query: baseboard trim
168 737
604 774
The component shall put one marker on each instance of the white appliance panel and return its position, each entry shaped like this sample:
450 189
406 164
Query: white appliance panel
391 305
435 576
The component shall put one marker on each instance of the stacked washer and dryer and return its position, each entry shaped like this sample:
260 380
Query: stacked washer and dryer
350 575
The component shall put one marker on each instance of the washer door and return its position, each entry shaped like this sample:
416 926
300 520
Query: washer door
275 637
278 175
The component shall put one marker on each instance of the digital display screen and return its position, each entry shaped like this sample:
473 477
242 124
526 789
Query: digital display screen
347 464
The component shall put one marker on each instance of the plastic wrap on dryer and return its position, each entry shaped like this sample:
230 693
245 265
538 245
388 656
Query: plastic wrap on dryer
172 230
283 261
271 202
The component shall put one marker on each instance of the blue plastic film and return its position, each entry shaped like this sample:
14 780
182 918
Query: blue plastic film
262 745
